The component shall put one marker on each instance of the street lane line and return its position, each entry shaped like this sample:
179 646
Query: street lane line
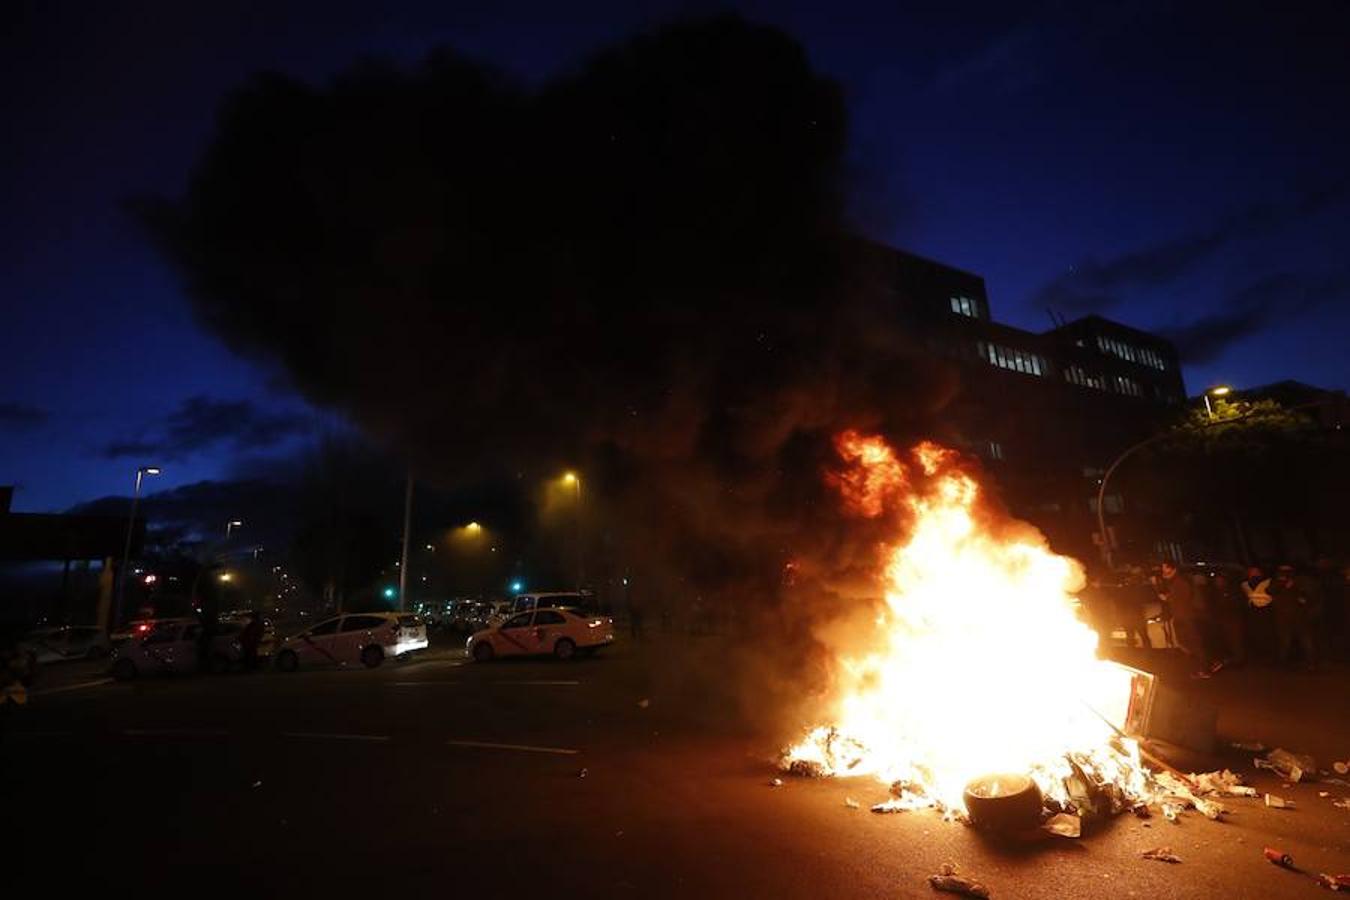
174 732
421 683
45 692
486 745
536 683
328 736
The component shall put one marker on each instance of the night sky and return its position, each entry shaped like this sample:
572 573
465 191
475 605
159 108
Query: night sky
1182 171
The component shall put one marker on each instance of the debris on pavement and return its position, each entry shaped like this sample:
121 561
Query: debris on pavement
1342 768
1324 793
1334 882
1210 809
948 880
1278 857
894 805
1222 783
1293 766
257 784
1142 811
1162 854
1249 746
1278 802
1172 812
851 803
582 773
1343 803
1065 825
644 703
806 768
777 782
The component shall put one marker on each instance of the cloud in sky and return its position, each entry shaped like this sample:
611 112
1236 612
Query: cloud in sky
17 415
202 423
1261 304
1094 285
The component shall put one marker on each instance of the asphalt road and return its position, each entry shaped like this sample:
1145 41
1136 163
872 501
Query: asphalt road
528 778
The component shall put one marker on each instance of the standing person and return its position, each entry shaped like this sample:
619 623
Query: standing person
1259 615
249 640
1132 601
1188 619
1294 601
1228 609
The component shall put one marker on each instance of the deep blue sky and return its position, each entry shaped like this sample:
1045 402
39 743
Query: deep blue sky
1178 170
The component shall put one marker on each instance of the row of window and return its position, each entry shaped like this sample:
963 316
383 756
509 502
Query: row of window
1008 358
1121 384
965 306
1130 353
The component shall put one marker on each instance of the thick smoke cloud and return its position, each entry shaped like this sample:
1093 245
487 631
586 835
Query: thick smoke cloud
639 269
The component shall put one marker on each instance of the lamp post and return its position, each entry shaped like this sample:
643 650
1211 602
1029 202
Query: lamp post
141 472
231 525
1221 390
403 559
573 479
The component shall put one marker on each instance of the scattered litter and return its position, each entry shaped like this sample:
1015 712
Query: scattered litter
806 768
1324 793
1162 854
1343 803
1336 781
1065 825
777 782
947 880
1342 768
851 803
1223 783
1290 765
257 784
1278 857
1172 812
644 703
1210 809
1141 811
1249 746
1278 802
895 805
1334 882
581 774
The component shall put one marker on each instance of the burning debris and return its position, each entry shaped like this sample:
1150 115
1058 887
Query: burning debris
960 685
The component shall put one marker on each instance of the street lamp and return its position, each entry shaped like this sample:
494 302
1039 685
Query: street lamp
573 479
1221 390
231 525
141 472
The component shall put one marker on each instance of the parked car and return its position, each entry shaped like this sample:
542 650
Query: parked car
539 632
268 645
365 638
171 646
49 645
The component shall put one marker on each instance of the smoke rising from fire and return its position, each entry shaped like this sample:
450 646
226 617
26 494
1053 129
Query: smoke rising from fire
639 269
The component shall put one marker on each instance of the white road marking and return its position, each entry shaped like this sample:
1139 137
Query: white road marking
537 683
174 732
44 692
487 745
327 736
422 683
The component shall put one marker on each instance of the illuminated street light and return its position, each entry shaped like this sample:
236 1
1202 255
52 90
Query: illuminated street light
473 528
141 472
231 525
517 586
226 576
1220 390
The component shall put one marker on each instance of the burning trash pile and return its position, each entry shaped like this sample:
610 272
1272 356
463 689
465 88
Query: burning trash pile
982 666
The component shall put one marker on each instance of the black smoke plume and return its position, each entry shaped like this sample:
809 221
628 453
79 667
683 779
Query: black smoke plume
639 270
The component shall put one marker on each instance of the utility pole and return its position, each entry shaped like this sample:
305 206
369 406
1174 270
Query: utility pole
403 560
115 619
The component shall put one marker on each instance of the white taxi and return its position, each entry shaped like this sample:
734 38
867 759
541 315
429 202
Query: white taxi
540 632
365 638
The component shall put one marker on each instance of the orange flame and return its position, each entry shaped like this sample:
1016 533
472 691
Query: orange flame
983 666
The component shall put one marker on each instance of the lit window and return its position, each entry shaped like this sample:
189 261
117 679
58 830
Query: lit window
1083 378
965 306
1014 360
995 450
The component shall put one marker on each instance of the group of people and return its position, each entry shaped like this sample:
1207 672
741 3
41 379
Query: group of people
1285 615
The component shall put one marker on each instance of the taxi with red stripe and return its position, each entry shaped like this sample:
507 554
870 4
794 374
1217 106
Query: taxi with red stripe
559 632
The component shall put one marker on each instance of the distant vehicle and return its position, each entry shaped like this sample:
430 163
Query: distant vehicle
539 632
49 645
170 646
365 638
541 600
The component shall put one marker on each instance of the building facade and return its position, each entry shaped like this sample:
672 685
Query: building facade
1046 411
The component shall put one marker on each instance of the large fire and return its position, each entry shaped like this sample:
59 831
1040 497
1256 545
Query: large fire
983 666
